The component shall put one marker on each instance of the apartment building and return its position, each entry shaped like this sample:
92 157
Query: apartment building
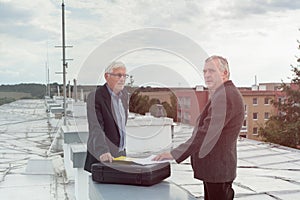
258 107
258 110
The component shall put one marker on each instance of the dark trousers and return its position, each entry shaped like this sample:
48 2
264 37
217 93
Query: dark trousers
218 191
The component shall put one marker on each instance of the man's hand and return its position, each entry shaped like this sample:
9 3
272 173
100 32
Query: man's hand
106 157
163 156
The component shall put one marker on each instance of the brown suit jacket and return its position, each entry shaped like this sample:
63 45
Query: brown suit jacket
212 146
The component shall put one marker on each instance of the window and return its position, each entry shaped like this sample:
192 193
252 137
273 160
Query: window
267 100
187 102
254 101
255 131
267 115
244 127
186 117
179 103
179 114
245 123
255 115
245 107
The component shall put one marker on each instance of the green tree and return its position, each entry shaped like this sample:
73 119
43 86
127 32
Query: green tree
142 103
284 128
139 103
171 109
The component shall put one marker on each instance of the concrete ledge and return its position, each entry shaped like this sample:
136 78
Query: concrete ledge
56 110
78 155
75 134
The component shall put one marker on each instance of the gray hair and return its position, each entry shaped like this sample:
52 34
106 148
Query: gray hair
115 65
223 63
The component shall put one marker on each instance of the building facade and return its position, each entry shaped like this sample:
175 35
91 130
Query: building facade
258 110
259 107
257 99
191 102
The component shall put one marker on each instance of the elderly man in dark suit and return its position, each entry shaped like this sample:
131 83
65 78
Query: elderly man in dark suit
212 146
107 112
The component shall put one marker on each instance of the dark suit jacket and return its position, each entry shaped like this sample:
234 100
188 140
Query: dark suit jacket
104 133
212 146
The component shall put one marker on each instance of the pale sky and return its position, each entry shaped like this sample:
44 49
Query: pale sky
161 42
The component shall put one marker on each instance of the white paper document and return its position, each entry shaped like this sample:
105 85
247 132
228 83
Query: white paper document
147 160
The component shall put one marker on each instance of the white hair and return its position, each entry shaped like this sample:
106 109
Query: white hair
115 65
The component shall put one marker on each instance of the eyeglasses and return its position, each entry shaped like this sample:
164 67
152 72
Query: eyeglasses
119 75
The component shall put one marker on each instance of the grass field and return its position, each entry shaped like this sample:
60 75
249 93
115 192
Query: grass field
15 95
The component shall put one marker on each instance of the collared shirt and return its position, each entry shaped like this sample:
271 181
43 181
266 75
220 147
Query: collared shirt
120 117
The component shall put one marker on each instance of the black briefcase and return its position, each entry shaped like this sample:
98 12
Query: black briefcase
130 173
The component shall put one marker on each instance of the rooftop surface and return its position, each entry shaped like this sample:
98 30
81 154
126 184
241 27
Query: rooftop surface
265 171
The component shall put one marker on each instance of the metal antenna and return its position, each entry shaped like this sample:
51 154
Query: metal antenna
64 61
65 64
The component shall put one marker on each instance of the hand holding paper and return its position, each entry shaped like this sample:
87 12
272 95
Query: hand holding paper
144 161
148 161
163 156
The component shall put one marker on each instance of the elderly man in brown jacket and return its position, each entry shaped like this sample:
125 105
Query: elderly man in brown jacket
212 146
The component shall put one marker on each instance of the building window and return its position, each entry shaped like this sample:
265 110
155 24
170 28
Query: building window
186 117
187 102
180 101
267 115
245 123
179 115
255 115
254 101
255 131
267 100
245 107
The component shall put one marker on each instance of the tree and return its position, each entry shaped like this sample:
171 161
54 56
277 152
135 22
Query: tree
142 103
284 128
139 103
171 109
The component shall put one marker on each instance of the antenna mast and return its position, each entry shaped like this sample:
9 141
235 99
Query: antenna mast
64 61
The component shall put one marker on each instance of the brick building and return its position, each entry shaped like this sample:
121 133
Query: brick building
258 107
257 99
